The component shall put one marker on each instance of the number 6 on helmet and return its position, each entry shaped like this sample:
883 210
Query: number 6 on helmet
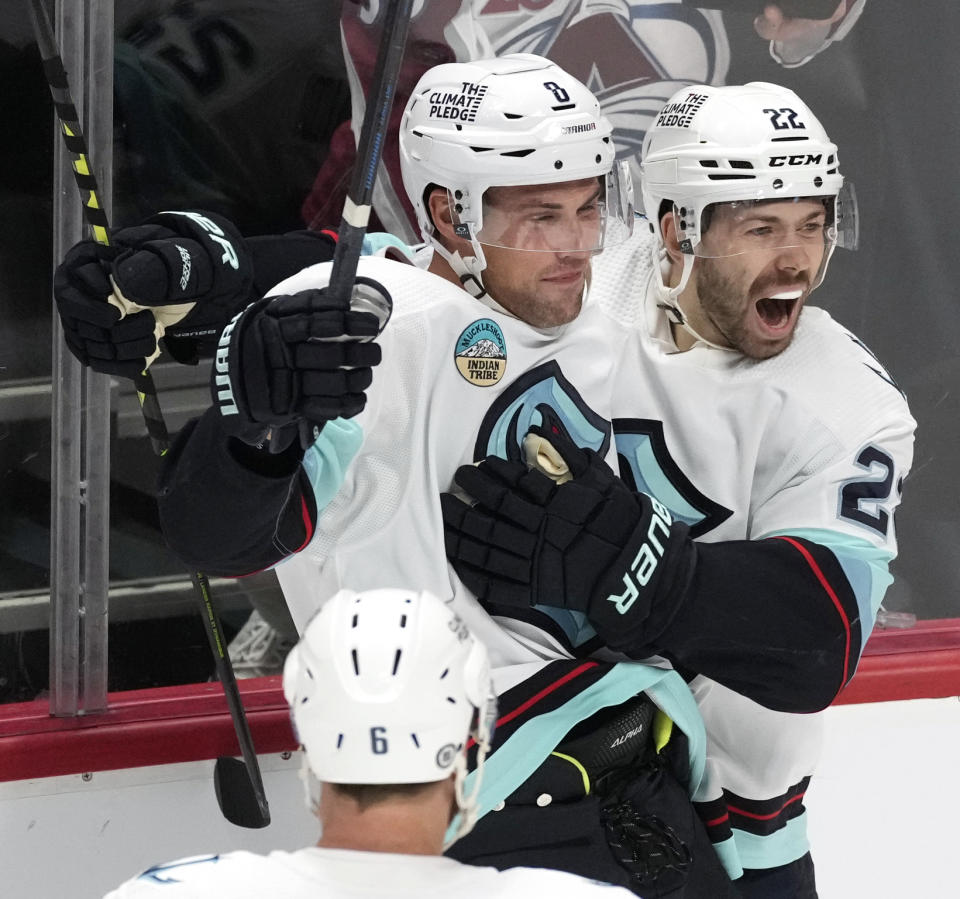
386 687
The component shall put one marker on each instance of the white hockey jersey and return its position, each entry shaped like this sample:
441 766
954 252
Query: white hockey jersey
461 380
316 873
813 443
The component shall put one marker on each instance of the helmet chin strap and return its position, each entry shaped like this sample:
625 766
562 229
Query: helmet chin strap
466 268
668 298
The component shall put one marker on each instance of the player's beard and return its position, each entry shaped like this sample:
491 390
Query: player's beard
729 309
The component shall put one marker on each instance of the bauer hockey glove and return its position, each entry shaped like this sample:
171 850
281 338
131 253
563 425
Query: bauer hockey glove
286 360
590 544
180 275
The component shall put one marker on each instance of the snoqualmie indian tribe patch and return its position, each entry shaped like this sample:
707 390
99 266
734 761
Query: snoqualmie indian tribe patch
481 353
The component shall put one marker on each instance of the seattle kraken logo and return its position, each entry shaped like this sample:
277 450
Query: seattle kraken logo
544 397
540 396
647 465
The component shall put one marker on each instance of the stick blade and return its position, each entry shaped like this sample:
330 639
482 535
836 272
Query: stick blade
237 796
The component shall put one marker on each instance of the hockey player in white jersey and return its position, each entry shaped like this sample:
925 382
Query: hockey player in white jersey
511 168
232 507
779 441
385 690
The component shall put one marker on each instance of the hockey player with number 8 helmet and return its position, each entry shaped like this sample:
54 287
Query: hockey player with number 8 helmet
472 129
494 331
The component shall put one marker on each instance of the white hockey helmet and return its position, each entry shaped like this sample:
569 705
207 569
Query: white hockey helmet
386 687
513 120
740 145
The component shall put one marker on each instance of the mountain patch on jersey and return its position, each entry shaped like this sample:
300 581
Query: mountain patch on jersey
460 106
481 353
647 465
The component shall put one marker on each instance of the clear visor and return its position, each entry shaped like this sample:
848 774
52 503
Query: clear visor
816 224
571 217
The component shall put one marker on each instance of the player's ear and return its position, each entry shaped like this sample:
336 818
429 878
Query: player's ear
668 231
441 214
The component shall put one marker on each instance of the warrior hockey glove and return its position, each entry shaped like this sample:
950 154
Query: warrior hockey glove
188 271
590 544
292 359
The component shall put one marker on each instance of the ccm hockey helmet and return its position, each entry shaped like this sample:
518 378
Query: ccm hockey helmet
740 144
513 120
385 687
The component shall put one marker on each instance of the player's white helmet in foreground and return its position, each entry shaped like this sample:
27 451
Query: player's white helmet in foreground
507 121
740 145
385 687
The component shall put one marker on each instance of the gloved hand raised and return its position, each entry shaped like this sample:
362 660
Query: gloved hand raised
180 275
589 544
299 358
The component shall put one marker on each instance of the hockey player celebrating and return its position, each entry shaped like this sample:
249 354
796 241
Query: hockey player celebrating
511 168
467 373
777 440
385 690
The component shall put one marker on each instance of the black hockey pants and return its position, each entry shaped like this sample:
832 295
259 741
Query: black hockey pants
633 826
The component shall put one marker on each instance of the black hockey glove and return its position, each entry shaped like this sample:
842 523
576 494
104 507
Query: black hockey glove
590 544
292 359
189 271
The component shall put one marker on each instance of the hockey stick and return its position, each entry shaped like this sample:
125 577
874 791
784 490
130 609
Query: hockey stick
356 209
238 785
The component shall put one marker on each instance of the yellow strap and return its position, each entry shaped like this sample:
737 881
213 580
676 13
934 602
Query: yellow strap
662 729
579 767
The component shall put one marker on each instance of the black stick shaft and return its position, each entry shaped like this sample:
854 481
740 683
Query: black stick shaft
227 677
356 212
146 389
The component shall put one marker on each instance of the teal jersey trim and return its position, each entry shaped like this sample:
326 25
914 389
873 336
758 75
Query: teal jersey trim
780 848
866 566
326 460
729 857
533 741
379 241
575 625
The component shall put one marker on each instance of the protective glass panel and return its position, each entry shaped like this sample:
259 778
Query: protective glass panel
244 111
26 209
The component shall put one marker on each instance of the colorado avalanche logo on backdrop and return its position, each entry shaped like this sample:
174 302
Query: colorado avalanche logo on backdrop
481 353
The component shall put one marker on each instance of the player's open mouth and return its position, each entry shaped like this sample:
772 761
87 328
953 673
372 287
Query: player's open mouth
778 311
